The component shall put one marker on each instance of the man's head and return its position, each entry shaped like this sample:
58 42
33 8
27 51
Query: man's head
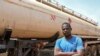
66 29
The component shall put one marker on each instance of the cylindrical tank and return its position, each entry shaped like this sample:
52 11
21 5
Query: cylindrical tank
32 19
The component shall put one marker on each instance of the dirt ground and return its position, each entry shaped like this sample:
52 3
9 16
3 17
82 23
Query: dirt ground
3 54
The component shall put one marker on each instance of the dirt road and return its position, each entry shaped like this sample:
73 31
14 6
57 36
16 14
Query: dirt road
3 54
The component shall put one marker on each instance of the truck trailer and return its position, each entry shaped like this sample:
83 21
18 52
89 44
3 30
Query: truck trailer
31 27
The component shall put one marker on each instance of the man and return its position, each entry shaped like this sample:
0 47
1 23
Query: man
69 45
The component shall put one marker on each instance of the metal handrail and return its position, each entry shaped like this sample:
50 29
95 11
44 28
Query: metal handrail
67 10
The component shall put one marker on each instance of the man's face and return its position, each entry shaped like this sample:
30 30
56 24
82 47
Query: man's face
66 29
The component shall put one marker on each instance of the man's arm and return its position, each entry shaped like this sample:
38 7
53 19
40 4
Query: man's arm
80 48
79 53
57 52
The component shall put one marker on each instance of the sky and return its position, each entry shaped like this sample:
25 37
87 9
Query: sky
89 8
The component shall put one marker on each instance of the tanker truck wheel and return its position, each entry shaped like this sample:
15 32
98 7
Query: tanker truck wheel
46 52
11 52
2 50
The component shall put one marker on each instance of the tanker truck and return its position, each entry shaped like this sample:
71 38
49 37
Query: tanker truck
31 27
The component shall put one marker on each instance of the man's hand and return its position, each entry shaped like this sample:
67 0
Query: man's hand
58 52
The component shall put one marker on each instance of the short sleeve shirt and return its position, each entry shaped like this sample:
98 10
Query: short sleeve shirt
69 45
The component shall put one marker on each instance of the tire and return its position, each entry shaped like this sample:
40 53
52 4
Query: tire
46 52
2 50
12 52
